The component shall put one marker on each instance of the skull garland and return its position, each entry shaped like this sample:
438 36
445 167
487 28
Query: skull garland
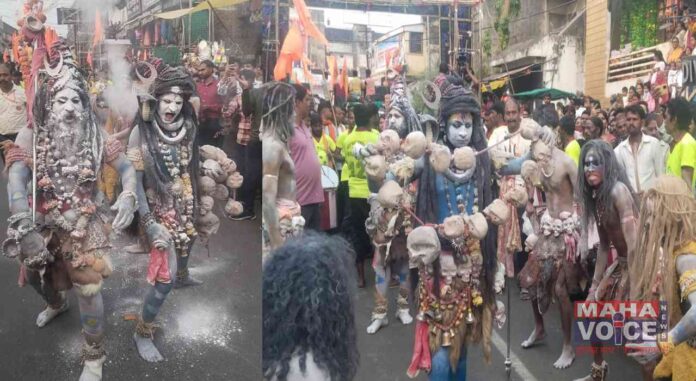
219 180
557 227
546 224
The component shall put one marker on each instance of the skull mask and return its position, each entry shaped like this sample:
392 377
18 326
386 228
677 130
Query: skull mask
497 212
557 227
454 227
569 226
423 245
448 269
546 224
389 142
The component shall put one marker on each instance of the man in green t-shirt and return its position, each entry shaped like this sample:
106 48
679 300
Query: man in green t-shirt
682 157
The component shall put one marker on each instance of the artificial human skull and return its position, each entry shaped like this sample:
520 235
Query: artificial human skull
389 142
233 208
477 225
415 144
212 169
464 158
390 195
546 224
234 181
423 245
207 225
228 166
169 107
209 152
206 185
221 193
206 205
403 169
440 158
529 129
454 227
531 173
497 212
517 196
530 242
569 225
376 167
557 227
448 268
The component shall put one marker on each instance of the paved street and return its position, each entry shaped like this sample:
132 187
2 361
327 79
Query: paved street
385 356
212 332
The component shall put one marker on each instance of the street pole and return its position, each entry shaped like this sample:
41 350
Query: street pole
189 23
276 42
455 53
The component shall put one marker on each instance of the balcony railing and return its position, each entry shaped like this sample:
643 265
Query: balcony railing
636 64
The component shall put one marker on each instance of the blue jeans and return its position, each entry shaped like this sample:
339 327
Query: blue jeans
441 370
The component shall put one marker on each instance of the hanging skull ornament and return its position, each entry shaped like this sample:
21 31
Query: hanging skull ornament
497 212
376 167
464 158
454 227
440 158
415 144
390 195
477 225
530 242
557 227
448 269
423 245
546 224
531 173
389 142
569 225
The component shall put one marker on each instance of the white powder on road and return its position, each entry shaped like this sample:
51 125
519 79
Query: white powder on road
205 325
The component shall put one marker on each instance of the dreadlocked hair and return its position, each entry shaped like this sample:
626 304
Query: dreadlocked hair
411 121
308 293
278 109
667 222
613 173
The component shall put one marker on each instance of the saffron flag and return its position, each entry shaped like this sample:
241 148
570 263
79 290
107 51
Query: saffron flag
333 69
306 21
344 77
98 29
292 50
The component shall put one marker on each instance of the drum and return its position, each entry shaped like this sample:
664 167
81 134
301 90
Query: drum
329 181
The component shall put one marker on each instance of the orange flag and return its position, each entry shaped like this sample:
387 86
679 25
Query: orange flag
292 50
305 70
306 21
344 77
333 69
98 29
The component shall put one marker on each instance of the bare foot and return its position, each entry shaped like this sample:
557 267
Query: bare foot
146 348
188 281
567 357
376 325
534 338
49 314
597 372
92 371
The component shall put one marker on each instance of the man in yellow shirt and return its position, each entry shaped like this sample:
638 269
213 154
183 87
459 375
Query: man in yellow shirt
358 191
326 147
355 86
570 145
682 158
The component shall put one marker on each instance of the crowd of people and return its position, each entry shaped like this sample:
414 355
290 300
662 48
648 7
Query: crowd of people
564 197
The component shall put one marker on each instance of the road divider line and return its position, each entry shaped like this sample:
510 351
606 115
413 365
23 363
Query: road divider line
517 364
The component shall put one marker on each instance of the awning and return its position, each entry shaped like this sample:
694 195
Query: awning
497 81
200 7
538 93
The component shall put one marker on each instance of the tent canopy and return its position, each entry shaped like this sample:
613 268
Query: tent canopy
538 93
200 7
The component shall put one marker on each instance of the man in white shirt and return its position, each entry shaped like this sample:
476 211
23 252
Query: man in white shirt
642 156
509 234
13 106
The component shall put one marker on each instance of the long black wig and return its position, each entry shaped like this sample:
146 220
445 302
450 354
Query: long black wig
309 286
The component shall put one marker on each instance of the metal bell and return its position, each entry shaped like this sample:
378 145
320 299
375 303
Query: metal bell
470 317
446 339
